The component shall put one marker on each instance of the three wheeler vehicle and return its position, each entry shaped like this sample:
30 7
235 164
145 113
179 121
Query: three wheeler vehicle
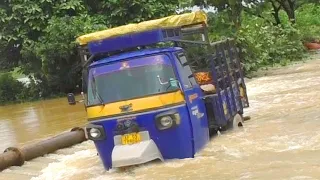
158 89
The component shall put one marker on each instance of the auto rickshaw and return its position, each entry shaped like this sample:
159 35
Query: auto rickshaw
148 95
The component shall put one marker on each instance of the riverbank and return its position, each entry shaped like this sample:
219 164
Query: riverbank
34 100
280 69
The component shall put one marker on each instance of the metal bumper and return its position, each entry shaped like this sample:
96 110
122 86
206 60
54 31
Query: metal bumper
128 155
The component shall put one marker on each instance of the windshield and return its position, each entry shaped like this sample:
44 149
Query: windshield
130 79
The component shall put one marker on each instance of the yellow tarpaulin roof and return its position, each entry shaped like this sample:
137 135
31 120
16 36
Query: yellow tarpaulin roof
166 22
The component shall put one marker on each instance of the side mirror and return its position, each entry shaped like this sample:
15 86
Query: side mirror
71 99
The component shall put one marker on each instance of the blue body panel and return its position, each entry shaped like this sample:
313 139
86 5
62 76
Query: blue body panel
133 40
220 116
199 122
187 138
172 143
134 54
126 41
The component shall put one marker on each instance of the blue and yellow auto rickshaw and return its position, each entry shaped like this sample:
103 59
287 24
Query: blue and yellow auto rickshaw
158 89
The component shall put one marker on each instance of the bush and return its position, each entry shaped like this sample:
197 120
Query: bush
30 92
264 44
308 22
10 88
13 91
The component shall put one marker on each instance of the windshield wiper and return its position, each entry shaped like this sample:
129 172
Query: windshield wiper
95 91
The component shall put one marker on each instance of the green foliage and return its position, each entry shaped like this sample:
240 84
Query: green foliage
23 22
220 27
264 44
14 91
233 8
39 35
54 56
123 11
29 92
9 88
308 21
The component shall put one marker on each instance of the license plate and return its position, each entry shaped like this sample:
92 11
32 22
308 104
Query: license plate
132 138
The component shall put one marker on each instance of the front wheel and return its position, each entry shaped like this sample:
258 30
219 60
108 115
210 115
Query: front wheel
236 122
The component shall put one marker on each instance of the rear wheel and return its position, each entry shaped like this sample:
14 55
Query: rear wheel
236 122
212 132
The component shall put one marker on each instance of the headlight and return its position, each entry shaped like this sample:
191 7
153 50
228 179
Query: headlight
95 133
166 121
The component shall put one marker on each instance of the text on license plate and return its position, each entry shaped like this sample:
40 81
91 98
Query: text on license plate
130 138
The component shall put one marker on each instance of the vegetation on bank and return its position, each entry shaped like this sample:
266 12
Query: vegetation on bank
14 91
38 36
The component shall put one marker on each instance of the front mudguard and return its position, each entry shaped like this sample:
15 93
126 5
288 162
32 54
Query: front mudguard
128 155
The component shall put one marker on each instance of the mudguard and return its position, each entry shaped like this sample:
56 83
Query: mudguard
127 155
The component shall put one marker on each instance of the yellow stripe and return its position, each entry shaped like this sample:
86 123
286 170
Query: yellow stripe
137 104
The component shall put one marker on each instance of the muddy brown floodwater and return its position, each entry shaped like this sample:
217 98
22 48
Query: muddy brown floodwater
25 123
281 141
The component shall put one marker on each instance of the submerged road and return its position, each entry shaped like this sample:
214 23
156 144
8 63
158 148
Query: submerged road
281 141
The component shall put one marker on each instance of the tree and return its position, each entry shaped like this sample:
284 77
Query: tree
22 22
276 9
131 11
233 7
39 35
289 6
